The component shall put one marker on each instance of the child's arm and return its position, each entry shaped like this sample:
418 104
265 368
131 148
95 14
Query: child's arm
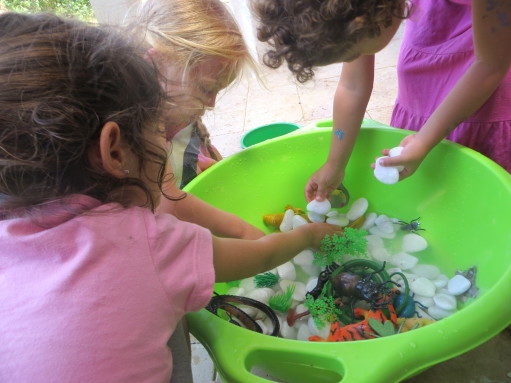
193 209
235 259
492 39
350 102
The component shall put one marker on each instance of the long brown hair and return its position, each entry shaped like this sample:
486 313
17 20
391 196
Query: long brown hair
60 82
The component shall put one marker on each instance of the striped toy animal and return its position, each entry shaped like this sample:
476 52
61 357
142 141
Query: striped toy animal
360 330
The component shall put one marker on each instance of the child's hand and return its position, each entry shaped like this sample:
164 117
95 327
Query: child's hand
414 152
322 183
317 232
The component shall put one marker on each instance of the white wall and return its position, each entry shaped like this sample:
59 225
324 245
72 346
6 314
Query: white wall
114 11
110 11
245 21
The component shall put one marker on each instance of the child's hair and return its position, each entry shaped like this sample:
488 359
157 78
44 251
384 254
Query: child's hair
309 33
60 82
190 32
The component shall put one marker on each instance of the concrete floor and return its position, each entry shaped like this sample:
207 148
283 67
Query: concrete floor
488 363
248 105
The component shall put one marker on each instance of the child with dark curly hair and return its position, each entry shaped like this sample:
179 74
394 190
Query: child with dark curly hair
93 283
453 72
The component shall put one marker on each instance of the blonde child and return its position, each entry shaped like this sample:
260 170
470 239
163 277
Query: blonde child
93 283
199 51
453 72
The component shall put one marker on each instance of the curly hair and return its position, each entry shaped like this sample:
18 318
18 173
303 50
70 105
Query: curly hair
309 33
60 82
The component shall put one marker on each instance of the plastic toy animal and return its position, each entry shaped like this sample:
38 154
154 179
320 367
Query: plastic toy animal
409 309
275 219
355 287
360 330
412 226
228 303
355 281
323 278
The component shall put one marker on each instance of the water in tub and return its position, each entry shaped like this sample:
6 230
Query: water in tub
381 247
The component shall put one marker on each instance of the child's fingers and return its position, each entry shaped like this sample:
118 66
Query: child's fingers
310 191
391 161
322 194
339 230
330 229
327 229
318 191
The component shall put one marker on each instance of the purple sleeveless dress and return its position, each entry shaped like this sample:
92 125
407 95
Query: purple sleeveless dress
436 51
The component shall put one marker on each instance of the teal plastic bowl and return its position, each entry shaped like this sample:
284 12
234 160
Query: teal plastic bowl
267 132
464 201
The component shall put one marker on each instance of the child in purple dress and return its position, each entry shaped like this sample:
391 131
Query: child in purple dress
454 78
434 57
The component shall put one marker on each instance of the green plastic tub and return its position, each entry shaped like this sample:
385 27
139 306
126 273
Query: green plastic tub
366 123
266 132
464 201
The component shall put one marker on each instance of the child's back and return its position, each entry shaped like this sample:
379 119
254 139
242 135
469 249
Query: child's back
84 303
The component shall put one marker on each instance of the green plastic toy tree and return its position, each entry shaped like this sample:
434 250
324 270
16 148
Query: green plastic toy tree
322 310
333 248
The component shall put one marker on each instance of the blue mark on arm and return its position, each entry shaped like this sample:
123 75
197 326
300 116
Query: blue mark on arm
502 17
339 134
491 5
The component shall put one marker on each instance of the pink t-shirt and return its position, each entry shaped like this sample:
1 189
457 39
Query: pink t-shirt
95 298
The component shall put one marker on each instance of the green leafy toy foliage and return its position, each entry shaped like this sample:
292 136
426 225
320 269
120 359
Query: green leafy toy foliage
386 328
382 329
282 302
333 248
323 310
267 279
80 9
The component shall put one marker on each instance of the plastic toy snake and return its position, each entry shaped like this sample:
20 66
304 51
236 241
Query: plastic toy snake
228 304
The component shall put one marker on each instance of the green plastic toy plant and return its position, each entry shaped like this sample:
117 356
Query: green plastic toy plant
386 328
267 279
323 310
282 302
333 248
